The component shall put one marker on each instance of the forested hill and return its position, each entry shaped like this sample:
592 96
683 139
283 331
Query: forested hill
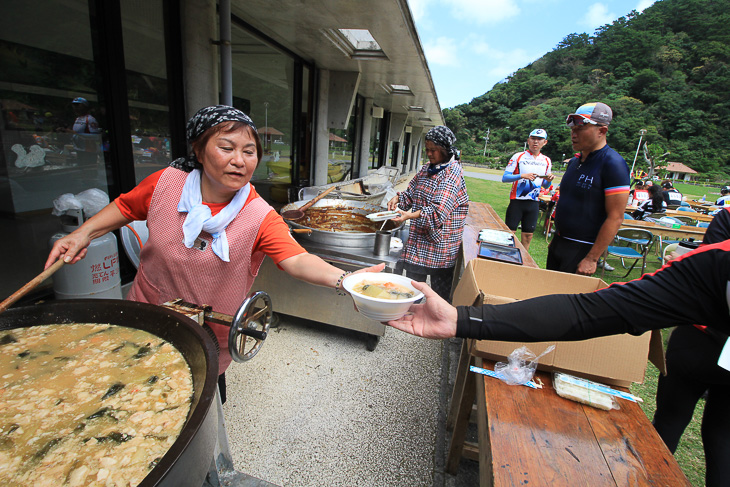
665 70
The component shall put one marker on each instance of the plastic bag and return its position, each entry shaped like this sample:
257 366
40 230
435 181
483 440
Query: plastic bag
520 366
65 202
90 200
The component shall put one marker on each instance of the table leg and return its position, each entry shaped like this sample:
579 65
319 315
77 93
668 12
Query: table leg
486 474
548 213
462 369
461 424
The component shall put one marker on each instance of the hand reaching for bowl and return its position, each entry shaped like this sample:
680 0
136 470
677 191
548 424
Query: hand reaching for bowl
435 318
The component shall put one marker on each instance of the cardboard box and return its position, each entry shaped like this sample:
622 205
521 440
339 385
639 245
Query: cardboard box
617 360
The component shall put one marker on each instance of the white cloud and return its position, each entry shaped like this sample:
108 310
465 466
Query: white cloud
476 43
483 11
473 52
418 9
442 51
507 62
598 15
643 4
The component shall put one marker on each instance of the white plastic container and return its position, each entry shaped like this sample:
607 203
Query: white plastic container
96 275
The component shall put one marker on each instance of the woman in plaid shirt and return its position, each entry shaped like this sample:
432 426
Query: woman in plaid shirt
437 202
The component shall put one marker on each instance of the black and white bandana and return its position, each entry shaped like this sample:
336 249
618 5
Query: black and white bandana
204 119
443 136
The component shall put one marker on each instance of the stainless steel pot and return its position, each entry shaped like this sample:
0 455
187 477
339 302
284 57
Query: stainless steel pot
188 460
341 239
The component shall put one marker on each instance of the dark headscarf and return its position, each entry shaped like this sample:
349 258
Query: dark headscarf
204 119
443 136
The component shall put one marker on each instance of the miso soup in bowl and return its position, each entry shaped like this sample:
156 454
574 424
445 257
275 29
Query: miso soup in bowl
381 296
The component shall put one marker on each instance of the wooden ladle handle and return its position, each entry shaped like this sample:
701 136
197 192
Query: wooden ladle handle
316 198
30 285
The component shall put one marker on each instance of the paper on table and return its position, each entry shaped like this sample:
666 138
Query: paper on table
496 236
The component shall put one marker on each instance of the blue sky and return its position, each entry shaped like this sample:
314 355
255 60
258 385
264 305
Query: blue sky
471 45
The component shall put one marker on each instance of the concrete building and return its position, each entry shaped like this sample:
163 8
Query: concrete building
309 72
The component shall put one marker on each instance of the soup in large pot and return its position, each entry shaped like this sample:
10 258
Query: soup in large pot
105 392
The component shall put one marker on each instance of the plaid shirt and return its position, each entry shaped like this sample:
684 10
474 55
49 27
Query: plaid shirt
435 236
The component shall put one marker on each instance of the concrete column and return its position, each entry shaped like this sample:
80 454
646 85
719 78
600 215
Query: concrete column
321 130
226 53
367 124
396 132
200 56
417 141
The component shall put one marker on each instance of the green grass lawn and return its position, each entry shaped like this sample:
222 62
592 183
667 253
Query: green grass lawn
690 454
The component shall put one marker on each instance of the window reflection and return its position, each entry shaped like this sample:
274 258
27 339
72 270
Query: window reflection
53 130
263 84
144 59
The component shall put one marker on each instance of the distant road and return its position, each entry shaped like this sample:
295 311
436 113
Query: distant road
481 175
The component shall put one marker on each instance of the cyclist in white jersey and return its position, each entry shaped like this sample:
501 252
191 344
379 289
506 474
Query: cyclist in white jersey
527 171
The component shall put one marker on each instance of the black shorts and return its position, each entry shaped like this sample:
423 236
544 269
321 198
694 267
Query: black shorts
525 211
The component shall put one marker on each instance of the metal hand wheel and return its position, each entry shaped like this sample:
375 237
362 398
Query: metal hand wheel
250 326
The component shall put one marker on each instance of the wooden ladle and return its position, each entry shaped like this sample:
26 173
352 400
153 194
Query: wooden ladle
298 214
30 285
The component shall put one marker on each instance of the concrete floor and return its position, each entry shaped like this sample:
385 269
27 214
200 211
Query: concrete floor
315 408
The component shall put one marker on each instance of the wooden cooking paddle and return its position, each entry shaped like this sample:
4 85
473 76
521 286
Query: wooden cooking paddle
299 213
31 285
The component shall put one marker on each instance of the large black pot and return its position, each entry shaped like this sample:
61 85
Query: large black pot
188 460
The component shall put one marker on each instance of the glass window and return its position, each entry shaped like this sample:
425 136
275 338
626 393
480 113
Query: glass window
305 125
263 86
375 137
52 130
394 148
144 58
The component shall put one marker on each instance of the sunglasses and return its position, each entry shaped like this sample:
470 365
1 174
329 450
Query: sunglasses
578 121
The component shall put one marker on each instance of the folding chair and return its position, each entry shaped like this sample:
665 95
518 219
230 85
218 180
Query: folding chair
685 220
668 250
631 244
549 221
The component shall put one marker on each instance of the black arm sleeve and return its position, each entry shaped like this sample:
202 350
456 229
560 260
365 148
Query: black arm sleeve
689 290
719 228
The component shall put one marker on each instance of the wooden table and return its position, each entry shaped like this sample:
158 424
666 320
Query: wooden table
702 205
702 217
538 438
684 231
481 216
534 437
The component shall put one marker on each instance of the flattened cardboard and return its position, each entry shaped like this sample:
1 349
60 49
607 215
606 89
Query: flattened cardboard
617 360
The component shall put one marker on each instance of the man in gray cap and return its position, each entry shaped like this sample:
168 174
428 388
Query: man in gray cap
593 194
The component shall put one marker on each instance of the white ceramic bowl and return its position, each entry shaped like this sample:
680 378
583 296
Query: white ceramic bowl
376 308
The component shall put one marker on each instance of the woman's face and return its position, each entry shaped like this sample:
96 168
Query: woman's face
435 153
229 160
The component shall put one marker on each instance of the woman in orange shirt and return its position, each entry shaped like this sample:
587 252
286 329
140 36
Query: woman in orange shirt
209 230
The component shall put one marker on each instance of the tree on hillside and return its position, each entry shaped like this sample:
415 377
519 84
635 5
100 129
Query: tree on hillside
665 70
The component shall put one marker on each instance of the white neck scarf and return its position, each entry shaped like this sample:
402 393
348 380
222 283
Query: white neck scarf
199 216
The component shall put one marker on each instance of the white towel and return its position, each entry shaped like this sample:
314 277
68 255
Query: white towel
199 216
